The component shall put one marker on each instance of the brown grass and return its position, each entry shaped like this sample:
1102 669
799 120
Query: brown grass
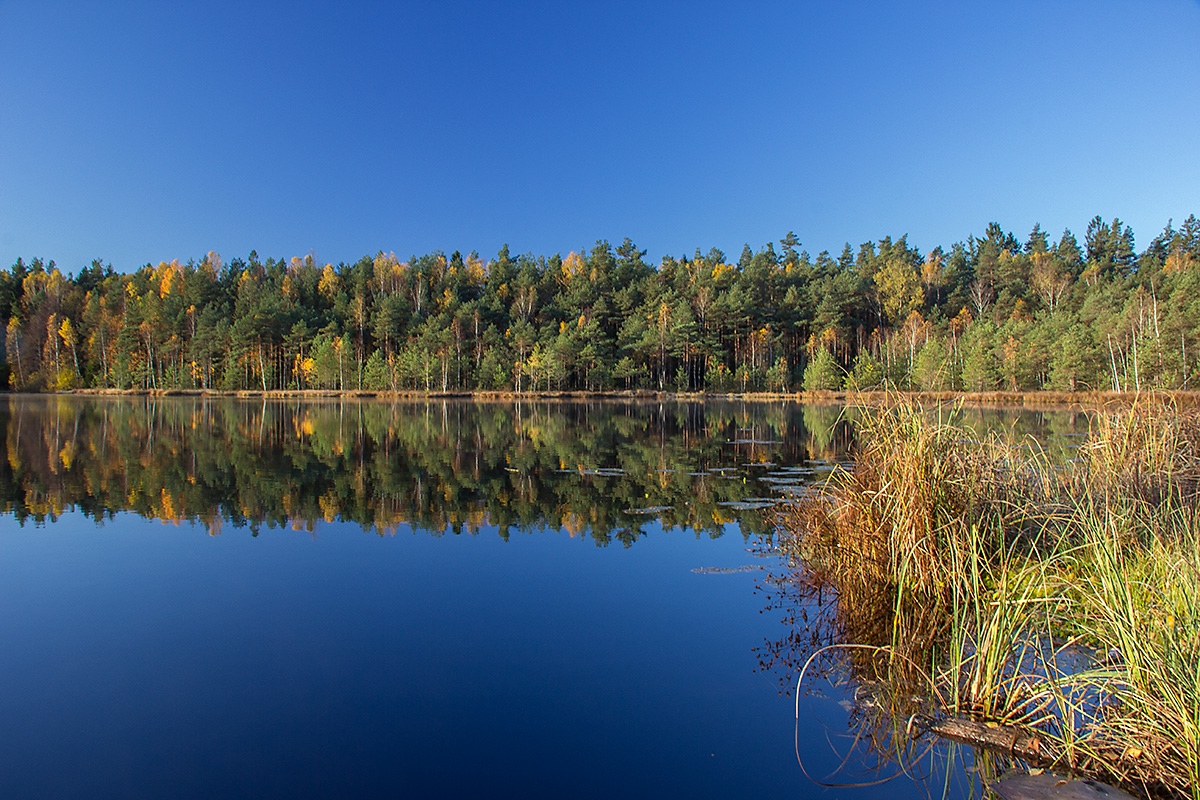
999 575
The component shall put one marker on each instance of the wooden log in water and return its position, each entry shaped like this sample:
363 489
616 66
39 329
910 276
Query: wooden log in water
1027 746
999 738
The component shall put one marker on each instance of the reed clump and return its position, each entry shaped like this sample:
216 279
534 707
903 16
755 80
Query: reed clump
1060 598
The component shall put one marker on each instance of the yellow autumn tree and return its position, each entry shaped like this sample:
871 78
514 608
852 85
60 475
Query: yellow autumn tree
573 266
169 277
330 283
900 291
1049 277
12 346
66 332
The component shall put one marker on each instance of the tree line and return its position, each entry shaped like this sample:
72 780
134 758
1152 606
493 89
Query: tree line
993 312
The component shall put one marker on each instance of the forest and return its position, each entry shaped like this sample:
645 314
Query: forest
990 313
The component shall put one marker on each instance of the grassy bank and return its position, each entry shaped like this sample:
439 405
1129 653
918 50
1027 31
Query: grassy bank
986 582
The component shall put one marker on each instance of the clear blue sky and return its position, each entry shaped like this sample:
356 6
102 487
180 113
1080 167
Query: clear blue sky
144 131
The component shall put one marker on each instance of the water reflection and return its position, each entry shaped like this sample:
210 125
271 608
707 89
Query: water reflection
601 469
597 469
651 659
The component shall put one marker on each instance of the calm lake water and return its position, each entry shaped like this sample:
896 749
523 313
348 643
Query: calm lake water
204 598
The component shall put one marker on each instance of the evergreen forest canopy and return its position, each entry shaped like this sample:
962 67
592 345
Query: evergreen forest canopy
989 313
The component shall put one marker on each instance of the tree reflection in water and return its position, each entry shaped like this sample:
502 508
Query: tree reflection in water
606 470
598 469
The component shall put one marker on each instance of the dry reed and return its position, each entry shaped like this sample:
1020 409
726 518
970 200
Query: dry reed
1061 598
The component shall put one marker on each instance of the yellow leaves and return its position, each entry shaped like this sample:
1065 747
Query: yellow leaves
1178 261
830 338
1011 348
169 277
663 318
915 325
34 283
899 289
168 505
932 270
386 264
573 266
476 273
389 272
68 454
329 283
211 266
961 322
574 524
1049 276
66 332
329 507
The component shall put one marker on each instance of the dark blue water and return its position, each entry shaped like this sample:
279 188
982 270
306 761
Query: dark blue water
145 659
148 660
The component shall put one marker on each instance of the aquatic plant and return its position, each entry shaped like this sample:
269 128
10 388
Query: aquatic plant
1059 600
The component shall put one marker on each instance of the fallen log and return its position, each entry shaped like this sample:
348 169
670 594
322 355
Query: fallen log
998 738
1027 746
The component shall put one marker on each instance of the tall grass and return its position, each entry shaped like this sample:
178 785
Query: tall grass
1060 598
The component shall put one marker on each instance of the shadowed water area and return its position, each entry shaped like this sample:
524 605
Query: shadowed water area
210 597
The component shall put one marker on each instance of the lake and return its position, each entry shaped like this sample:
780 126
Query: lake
230 597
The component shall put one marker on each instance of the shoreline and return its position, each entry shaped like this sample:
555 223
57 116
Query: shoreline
993 399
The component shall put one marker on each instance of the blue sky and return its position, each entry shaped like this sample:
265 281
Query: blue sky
139 132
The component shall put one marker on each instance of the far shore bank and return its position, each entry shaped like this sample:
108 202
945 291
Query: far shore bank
993 399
